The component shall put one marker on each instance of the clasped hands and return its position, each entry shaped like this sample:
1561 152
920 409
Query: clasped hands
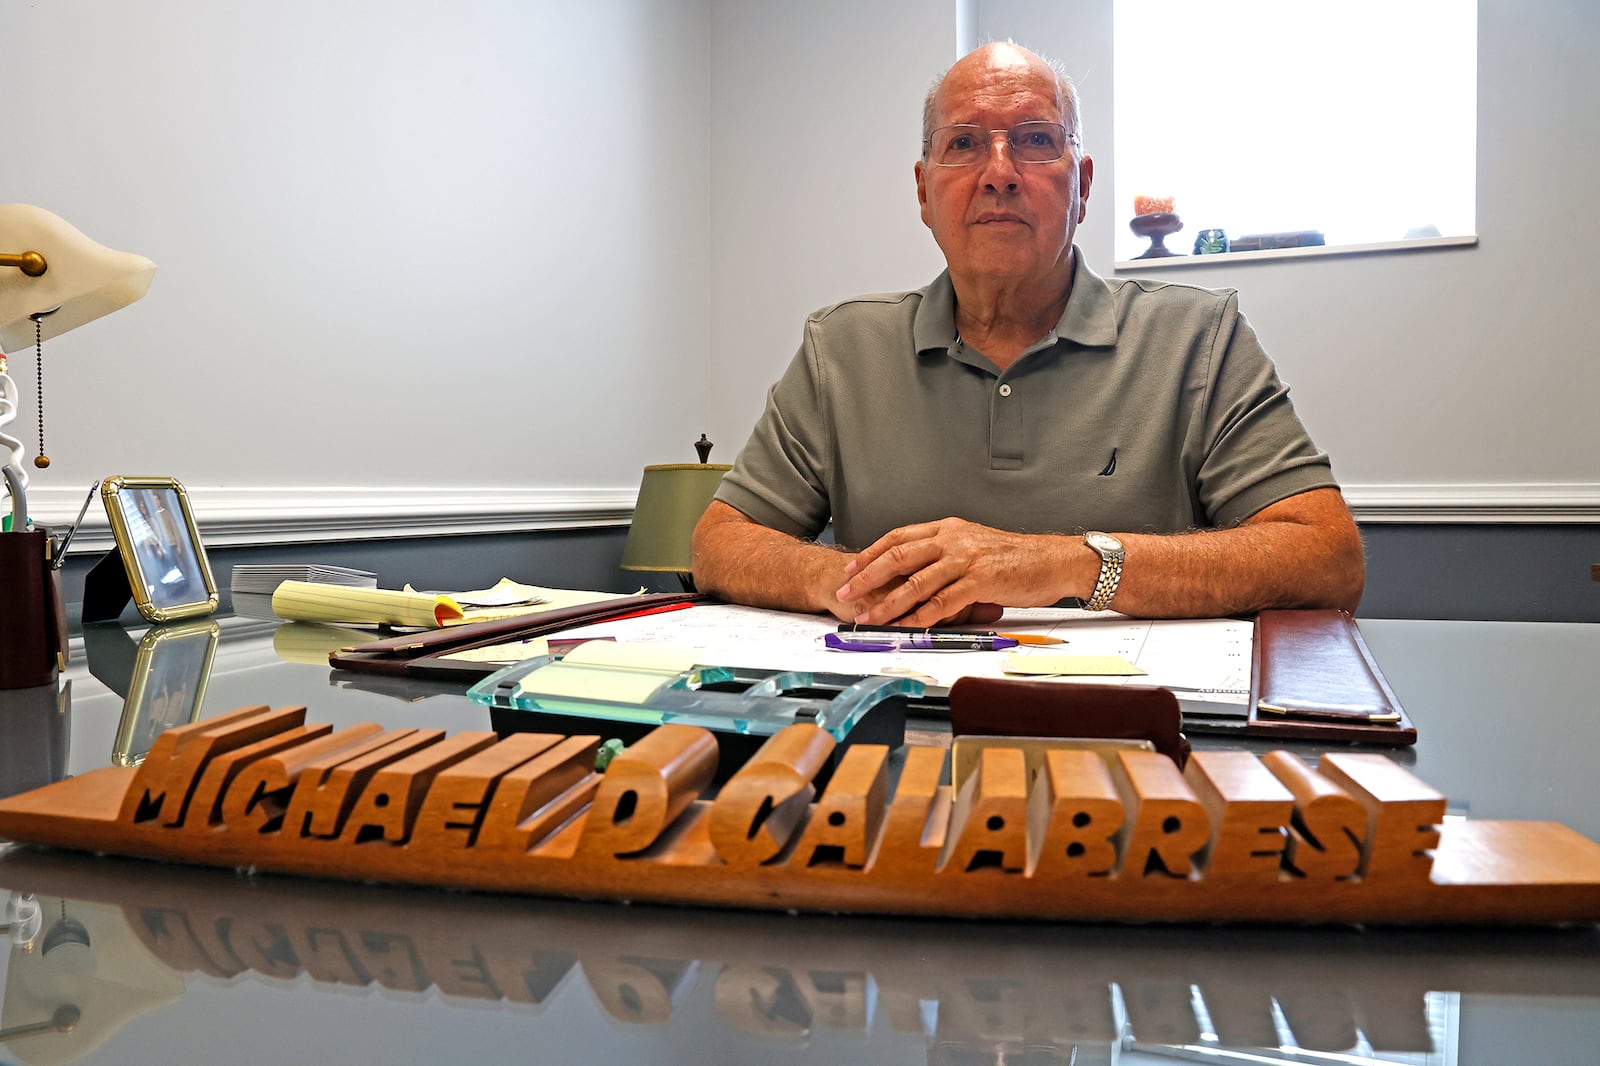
953 572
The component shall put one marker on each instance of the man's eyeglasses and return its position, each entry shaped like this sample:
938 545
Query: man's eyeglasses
1031 142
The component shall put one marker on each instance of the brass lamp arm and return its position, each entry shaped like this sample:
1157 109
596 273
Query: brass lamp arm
30 263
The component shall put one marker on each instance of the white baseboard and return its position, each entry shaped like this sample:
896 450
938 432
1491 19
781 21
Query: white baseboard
243 516
1525 503
231 517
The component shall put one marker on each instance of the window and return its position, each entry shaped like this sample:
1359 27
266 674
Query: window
1354 121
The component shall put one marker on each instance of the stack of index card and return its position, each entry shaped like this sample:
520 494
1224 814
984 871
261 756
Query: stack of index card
257 578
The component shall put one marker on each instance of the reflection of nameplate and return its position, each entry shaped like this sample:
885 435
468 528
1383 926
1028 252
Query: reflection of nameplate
159 561
167 688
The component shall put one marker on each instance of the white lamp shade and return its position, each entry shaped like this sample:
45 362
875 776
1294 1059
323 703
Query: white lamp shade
84 279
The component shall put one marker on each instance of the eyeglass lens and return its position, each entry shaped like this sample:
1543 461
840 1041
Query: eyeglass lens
1031 142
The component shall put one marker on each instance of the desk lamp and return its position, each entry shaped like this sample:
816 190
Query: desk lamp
52 279
672 497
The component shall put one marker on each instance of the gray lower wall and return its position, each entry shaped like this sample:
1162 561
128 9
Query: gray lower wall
1521 573
1505 572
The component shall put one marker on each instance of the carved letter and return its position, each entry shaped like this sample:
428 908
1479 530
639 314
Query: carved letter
756 812
913 832
646 787
1250 809
541 794
1075 816
1404 813
989 827
1329 827
1169 825
845 822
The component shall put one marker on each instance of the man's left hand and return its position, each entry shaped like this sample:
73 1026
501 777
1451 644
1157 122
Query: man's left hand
953 570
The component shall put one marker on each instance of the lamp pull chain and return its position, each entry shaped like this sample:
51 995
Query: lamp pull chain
41 460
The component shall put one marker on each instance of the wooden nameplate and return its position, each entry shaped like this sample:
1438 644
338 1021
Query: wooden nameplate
1233 837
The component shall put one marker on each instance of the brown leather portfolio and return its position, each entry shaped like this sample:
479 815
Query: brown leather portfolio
1313 678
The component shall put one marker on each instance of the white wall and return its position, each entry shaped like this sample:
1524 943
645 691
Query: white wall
374 276
816 125
401 243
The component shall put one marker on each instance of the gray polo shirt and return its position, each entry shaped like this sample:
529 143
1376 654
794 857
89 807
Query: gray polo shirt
1149 408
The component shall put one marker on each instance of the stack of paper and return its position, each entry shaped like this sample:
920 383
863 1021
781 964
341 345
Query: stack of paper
266 577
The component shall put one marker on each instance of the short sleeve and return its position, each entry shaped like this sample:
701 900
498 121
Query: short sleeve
781 476
1256 451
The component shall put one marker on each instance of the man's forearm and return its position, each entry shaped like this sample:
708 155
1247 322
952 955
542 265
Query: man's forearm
744 562
1237 571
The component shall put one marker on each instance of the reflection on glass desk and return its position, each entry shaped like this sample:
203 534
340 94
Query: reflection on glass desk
154 963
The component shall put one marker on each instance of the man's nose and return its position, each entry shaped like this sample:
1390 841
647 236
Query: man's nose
1000 167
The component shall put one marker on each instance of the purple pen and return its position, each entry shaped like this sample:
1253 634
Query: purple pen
915 642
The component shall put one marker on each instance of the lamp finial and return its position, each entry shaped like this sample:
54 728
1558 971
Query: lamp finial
703 446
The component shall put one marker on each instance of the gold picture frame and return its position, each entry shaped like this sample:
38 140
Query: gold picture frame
153 525
168 685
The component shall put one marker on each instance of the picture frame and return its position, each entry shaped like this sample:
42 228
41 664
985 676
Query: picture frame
159 544
168 685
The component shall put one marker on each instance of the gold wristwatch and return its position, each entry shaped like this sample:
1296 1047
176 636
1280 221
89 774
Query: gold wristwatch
1109 549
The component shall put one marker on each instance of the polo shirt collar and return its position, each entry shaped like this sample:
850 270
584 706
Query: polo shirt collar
1089 318
934 327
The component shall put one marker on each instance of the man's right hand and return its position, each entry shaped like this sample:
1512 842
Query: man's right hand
740 560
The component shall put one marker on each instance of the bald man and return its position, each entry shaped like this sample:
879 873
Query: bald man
1022 431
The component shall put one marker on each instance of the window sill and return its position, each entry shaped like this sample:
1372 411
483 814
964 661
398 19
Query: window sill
1416 245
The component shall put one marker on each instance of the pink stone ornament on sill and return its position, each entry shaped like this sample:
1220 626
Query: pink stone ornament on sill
1154 219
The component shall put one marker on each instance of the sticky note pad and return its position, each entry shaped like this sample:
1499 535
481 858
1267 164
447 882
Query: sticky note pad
611 671
1036 665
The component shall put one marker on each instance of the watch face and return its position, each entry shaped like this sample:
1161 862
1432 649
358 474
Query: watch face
1103 542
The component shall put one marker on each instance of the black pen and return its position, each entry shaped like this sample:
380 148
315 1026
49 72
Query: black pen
1020 638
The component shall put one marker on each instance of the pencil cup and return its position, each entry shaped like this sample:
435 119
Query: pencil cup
27 624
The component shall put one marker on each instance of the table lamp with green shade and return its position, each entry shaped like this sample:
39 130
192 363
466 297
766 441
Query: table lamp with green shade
52 279
672 497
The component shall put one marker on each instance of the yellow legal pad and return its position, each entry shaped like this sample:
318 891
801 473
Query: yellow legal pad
305 601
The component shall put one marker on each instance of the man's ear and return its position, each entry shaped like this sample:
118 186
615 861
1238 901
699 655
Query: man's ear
1085 179
921 171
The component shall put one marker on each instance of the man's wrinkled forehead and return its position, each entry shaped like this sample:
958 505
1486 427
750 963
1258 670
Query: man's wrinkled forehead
999 80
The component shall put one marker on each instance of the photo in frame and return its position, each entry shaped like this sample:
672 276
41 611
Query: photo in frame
165 562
